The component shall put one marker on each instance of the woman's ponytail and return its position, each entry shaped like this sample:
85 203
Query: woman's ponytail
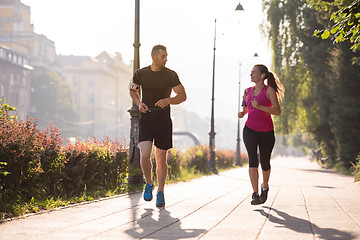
273 81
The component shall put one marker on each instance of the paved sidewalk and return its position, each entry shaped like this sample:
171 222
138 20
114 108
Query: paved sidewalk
305 202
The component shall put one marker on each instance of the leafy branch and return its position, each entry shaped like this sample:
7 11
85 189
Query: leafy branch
346 27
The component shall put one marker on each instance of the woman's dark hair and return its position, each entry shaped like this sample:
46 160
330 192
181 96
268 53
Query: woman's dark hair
273 81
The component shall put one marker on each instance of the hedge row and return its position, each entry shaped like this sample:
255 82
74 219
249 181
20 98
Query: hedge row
35 164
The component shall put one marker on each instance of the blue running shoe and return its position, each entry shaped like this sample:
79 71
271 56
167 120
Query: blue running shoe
160 199
148 192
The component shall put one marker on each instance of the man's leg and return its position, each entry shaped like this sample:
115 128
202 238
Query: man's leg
146 165
161 168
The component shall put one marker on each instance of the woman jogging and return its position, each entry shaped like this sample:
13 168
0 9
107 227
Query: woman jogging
260 102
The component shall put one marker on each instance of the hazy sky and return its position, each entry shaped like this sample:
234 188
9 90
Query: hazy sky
186 27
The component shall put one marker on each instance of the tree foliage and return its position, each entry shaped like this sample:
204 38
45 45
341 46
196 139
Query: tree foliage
53 102
321 83
346 25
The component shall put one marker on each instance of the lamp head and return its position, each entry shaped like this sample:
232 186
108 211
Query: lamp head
239 7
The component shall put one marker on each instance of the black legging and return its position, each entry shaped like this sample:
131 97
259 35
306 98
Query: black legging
265 141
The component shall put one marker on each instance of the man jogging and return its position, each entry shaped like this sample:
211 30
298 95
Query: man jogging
155 125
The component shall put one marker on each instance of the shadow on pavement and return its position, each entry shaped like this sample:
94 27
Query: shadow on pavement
331 171
147 226
303 226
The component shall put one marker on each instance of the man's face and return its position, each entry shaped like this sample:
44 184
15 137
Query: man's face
161 58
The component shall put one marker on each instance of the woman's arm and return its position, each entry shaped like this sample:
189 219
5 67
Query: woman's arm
244 107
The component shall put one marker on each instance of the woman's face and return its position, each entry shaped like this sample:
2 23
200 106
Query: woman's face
256 75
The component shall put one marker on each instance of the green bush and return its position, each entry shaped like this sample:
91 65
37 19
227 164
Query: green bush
225 159
356 169
197 158
94 165
20 149
174 164
37 168
36 164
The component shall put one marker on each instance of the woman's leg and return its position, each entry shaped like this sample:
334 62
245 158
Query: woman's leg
254 178
266 146
251 143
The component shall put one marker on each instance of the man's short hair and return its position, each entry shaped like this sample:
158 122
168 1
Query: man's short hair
156 49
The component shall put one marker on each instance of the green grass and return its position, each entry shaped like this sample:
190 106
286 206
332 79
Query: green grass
21 207
13 209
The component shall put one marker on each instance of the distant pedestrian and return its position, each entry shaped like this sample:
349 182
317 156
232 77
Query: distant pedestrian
260 102
155 125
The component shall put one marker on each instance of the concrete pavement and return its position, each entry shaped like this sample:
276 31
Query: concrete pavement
305 202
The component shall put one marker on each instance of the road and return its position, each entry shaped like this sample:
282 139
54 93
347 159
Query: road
305 202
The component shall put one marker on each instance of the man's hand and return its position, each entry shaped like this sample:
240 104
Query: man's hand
143 108
163 103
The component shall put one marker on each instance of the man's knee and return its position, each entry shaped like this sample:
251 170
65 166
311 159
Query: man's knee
145 150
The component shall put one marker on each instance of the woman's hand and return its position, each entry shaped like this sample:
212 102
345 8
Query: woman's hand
255 104
241 114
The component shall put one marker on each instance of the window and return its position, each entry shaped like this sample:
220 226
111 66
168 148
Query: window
90 84
74 82
90 115
2 91
91 98
12 81
2 53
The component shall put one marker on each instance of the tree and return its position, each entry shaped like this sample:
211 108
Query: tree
321 86
52 99
346 26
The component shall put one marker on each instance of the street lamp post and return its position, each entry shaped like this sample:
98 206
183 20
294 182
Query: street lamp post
212 165
238 157
135 174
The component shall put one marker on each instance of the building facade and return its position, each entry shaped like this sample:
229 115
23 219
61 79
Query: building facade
21 48
17 33
100 92
15 80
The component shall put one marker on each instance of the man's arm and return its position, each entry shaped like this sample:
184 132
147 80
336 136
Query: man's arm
177 99
134 94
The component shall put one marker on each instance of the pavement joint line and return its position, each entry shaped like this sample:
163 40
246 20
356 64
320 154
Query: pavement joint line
159 209
140 204
234 189
72 206
307 212
89 202
270 208
341 206
227 215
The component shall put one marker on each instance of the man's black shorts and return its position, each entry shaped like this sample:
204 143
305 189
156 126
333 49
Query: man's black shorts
159 131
